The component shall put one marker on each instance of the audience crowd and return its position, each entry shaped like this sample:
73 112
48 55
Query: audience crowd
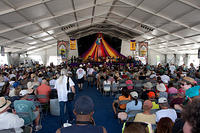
160 99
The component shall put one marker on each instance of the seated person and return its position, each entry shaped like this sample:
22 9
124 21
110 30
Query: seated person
52 82
164 125
9 120
135 127
146 116
147 88
191 116
83 110
44 89
172 89
161 90
125 96
23 105
134 104
165 111
128 83
152 97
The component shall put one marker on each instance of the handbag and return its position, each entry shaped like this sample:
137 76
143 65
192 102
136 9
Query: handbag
70 95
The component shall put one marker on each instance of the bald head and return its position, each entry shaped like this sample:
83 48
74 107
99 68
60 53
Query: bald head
147 105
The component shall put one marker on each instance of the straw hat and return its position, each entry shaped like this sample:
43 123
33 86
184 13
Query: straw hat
4 104
148 85
161 87
189 79
30 85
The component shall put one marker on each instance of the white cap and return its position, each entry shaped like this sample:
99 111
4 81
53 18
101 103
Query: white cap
23 92
162 100
134 94
80 65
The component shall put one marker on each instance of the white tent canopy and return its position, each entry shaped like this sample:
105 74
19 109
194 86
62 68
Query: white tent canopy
26 25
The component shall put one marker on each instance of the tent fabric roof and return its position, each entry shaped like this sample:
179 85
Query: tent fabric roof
31 24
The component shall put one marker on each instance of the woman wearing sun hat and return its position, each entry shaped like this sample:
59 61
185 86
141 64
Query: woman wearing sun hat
9 120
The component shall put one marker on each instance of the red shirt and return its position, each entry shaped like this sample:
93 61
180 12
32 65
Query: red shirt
43 90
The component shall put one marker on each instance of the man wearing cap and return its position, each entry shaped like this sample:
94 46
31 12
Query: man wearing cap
80 75
9 120
165 111
23 105
152 96
146 90
83 110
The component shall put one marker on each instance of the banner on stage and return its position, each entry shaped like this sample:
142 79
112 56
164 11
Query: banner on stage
143 49
72 44
133 45
62 49
2 51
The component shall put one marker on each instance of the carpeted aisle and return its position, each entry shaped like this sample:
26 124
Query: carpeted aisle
103 113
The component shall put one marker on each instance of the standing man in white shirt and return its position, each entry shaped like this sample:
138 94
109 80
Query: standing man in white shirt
81 75
172 68
62 91
90 71
165 111
9 120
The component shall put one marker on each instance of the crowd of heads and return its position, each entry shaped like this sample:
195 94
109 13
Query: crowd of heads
167 85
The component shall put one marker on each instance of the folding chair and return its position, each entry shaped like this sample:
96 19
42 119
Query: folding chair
132 114
153 111
114 88
154 126
117 96
35 87
122 102
44 105
31 97
121 85
106 88
27 118
12 130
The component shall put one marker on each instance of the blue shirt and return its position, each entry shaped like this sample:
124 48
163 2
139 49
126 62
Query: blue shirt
131 106
25 106
192 92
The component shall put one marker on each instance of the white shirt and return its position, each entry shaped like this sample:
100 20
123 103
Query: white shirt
90 71
170 113
12 93
172 68
62 88
80 72
52 82
10 120
107 85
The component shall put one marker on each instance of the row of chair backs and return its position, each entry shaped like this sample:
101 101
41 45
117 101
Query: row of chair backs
26 116
34 97
12 130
